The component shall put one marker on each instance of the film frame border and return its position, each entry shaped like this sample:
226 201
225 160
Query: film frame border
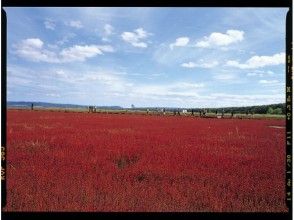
161 3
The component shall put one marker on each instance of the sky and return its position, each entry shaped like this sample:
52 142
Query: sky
148 57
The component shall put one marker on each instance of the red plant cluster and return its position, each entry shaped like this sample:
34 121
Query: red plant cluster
60 161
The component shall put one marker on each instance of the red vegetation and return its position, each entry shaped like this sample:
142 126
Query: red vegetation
61 161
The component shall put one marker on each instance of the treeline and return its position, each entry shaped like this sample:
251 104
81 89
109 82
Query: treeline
277 109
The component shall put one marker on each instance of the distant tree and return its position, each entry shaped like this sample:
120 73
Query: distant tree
132 106
277 111
270 110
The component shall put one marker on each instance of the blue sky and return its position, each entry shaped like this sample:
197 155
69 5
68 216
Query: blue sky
173 57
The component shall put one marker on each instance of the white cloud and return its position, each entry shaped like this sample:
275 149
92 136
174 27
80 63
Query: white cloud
259 61
135 38
74 23
55 95
33 50
217 39
80 53
260 73
49 24
224 76
60 73
108 31
180 42
224 99
66 38
107 82
268 81
33 43
174 90
254 74
200 64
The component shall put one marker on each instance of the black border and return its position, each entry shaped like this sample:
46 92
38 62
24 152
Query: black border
3 103
145 3
289 106
151 3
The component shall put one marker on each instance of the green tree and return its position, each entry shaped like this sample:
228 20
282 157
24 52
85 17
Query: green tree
270 110
277 111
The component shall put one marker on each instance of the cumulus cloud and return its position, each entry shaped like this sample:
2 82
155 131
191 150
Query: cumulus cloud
33 49
259 61
217 39
49 24
135 38
180 42
80 53
200 64
75 24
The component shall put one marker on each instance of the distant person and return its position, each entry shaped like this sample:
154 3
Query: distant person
204 113
32 106
232 114
90 109
179 111
216 112
192 111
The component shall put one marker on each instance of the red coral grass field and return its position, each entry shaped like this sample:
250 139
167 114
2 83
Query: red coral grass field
60 161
